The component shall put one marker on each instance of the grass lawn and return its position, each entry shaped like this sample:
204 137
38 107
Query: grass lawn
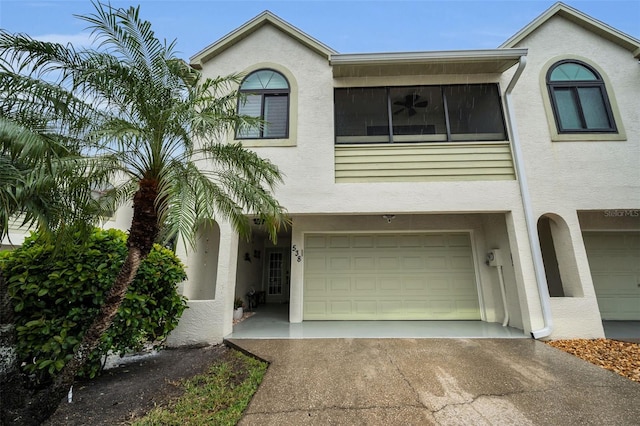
218 396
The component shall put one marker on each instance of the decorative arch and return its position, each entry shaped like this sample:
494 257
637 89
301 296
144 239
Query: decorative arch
558 256
203 276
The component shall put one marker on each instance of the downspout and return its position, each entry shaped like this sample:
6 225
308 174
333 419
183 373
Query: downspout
534 242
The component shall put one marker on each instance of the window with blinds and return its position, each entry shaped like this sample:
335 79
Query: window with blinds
265 95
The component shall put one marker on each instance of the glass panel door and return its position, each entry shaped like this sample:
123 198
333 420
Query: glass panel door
275 274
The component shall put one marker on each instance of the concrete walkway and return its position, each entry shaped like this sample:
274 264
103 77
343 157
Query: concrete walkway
434 381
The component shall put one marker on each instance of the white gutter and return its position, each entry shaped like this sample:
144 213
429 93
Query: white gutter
534 242
436 56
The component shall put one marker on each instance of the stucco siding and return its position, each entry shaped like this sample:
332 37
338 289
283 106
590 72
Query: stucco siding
581 174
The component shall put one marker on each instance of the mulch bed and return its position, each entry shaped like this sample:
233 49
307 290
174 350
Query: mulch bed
620 357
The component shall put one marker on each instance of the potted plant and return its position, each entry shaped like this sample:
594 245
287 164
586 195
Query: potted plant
238 304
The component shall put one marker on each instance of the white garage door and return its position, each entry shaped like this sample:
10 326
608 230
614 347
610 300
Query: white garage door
614 259
389 277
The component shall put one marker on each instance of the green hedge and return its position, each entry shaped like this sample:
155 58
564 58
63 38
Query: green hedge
57 292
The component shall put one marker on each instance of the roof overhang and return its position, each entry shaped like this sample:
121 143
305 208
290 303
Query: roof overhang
489 61
567 12
265 18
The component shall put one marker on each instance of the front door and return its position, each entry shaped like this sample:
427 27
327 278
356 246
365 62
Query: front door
277 275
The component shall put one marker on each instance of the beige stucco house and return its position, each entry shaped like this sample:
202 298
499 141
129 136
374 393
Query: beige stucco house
496 185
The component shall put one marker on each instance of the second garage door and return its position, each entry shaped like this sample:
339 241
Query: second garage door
614 259
389 277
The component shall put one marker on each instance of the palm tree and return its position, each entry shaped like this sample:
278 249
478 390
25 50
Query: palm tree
151 124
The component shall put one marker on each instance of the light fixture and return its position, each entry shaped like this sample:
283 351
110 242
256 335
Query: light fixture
389 217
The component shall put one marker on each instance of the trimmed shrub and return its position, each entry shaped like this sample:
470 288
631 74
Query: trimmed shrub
56 293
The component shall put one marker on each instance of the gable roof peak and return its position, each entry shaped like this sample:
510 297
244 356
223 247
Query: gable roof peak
577 17
264 18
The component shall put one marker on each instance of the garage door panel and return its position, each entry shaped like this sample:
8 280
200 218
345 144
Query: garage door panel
391 286
612 284
388 307
365 307
339 241
614 260
406 276
364 263
434 240
433 262
410 262
386 241
316 286
315 241
463 284
389 264
340 263
414 285
458 240
411 241
315 308
362 241
623 309
340 307
463 262
315 263
340 285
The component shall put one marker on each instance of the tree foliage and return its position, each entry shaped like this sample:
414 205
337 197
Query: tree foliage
132 121
57 294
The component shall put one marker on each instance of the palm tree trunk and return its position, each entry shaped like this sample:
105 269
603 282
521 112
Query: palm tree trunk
143 232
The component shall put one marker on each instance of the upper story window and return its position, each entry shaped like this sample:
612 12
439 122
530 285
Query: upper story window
471 112
265 95
579 99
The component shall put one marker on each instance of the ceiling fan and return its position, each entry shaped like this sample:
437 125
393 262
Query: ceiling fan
410 104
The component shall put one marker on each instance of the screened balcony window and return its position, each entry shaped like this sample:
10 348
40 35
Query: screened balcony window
361 114
419 114
265 95
579 99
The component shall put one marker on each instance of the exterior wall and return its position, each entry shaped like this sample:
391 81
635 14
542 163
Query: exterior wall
568 176
310 163
310 188
564 177
207 321
588 175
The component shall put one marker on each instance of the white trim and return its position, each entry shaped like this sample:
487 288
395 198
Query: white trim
428 56
567 12
252 25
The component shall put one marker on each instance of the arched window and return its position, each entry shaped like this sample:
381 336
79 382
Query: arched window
579 99
265 95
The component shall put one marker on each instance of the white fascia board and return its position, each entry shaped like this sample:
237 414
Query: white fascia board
428 57
598 27
249 27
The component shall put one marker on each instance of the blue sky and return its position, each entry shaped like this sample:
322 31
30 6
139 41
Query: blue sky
346 26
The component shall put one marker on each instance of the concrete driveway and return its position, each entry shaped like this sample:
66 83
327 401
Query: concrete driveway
434 381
